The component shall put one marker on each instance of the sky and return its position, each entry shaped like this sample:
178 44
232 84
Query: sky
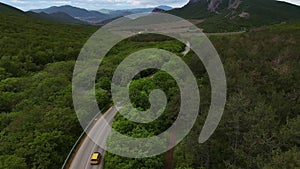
100 4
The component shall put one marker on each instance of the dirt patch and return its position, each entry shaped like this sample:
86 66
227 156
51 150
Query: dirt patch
196 21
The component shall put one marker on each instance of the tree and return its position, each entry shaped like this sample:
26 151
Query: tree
12 162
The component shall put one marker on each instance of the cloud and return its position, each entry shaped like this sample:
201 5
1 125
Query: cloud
94 4
100 4
17 1
297 2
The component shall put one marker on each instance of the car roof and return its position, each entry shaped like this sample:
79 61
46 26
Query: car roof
95 155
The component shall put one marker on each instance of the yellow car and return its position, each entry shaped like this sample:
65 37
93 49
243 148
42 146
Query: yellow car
96 158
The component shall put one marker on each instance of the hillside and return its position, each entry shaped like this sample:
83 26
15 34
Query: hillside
38 124
36 111
57 17
18 27
78 13
262 72
236 15
9 9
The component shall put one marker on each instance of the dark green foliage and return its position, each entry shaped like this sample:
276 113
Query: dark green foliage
259 128
127 163
37 121
28 44
193 11
60 17
41 126
140 89
12 162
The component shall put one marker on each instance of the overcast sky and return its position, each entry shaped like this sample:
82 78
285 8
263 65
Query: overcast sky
100 4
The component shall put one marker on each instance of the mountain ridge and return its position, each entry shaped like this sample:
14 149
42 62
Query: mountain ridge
57 17
93 16
9 9
237 15
76 12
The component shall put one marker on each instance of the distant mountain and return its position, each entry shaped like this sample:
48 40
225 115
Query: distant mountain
77 13
164 7
93 17
57 17
106 11
237 15
124 12
158 10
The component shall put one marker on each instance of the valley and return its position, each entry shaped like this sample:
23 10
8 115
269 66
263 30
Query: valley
258 44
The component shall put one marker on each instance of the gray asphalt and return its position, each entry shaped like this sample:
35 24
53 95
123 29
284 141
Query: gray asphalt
82 157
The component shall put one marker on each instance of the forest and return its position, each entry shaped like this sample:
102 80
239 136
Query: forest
37 121
259 129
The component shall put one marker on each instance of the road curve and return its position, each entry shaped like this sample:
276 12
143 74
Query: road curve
82 157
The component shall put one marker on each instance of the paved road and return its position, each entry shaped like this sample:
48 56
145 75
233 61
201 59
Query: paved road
187 48
82 157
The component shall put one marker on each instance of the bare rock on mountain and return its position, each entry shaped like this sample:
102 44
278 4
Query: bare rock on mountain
214 5
234 4
244 15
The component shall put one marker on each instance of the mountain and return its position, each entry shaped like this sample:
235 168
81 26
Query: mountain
93 17
124 12
77 13
158 10
164 7
57 17
34 52
9 9
237 15
106 11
